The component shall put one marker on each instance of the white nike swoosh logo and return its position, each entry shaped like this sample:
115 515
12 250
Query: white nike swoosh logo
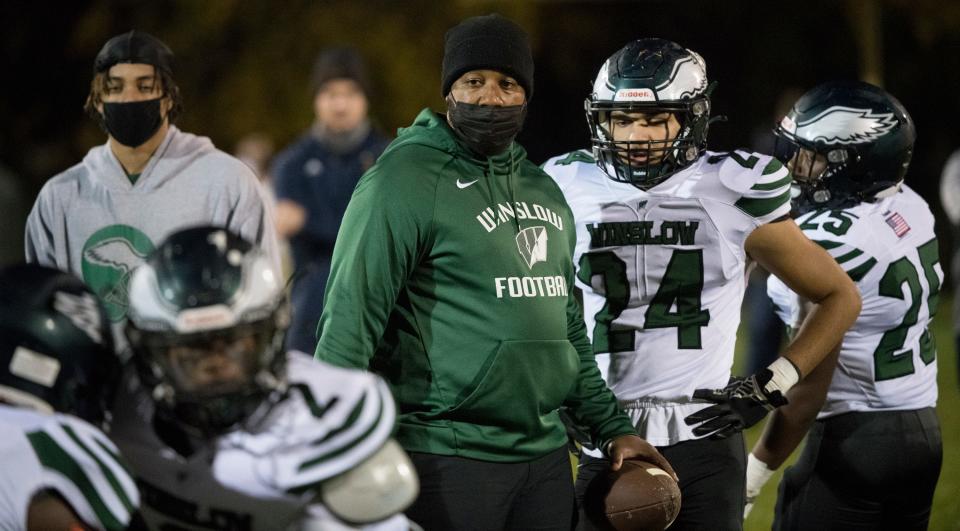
462 185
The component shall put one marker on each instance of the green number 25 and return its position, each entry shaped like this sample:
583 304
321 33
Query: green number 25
675 305
888 364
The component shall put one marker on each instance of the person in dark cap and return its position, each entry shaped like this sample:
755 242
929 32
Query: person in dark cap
102 217
452 278
314 177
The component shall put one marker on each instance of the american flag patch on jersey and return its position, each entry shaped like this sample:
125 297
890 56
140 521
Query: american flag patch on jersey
898 224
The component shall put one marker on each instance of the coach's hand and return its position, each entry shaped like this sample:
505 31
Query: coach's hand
635 447
741 404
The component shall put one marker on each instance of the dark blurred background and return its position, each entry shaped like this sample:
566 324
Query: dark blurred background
243 67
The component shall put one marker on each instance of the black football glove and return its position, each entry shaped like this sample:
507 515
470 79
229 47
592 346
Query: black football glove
741 404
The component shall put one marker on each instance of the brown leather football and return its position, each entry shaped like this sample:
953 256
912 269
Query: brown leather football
638 497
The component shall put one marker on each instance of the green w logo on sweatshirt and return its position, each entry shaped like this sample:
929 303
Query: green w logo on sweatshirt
109 257
532 244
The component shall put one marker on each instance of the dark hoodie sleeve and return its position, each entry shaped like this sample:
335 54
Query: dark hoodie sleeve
592 404
384 230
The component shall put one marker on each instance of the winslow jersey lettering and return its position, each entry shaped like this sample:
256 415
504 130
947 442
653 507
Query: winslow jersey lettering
189 512
491 218
641 233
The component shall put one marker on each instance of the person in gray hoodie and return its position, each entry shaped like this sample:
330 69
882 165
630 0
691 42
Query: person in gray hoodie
102 217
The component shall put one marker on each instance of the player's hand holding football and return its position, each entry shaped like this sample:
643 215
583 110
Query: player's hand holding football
742 403
635 447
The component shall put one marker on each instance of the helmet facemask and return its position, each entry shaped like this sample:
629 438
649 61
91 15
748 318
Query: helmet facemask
649 77
817 171
211 381
646 163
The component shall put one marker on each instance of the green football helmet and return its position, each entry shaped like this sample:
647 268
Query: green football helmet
650 76
860 135
56 346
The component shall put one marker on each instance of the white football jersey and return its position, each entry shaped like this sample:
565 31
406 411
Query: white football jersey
887 360
662 274
53 452
265 477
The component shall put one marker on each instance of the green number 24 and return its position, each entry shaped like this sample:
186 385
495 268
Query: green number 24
679 290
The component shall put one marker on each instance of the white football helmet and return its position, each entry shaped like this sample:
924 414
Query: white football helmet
206 322
650 76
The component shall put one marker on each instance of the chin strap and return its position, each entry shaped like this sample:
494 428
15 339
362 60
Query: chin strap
718 118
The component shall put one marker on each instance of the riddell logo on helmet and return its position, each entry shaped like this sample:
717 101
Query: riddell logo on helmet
634 95
207 318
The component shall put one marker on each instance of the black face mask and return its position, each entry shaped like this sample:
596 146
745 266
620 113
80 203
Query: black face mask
132 123
486 129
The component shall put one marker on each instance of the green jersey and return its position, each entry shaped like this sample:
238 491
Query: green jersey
452 278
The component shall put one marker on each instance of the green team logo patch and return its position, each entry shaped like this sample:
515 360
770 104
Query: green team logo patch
109 257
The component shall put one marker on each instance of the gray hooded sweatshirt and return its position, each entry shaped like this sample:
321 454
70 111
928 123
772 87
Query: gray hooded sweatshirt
92 221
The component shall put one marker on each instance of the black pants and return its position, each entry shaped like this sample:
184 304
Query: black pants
457 494
863 471
712 483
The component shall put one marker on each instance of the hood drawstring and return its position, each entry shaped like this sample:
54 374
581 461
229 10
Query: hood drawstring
488 176
513 190
491 173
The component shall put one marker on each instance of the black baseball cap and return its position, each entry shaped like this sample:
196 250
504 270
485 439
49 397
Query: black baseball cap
134 47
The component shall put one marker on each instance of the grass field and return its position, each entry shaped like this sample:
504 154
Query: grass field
946 503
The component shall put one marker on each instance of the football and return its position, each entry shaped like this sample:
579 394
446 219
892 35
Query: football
638 497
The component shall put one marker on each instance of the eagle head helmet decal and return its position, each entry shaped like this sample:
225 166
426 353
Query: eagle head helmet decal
845 143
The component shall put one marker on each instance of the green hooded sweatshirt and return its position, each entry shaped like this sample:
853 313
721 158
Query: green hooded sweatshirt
452 277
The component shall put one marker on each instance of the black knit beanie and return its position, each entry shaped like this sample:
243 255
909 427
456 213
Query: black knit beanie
339 63
487 42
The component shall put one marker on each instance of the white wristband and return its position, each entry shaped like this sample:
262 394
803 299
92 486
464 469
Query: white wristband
785 375
758 473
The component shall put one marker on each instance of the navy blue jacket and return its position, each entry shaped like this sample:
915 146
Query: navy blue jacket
322 182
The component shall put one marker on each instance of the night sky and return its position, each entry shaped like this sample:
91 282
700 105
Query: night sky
244 66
